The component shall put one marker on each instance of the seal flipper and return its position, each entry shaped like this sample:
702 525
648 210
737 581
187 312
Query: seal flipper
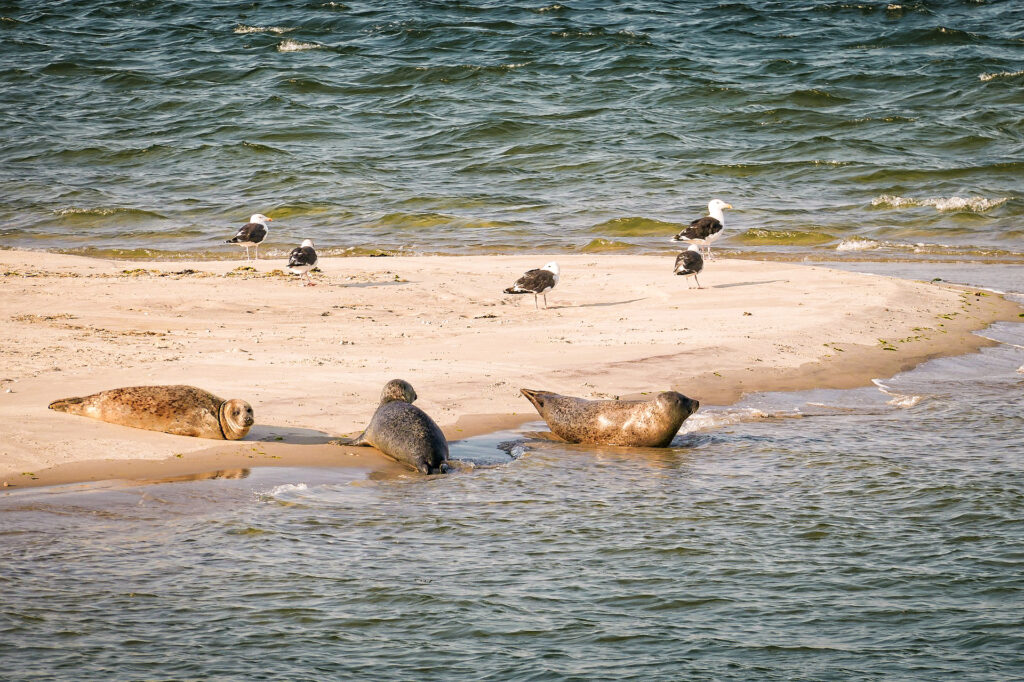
66 404
358 440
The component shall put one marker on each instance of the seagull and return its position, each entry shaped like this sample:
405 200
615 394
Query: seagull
536 282
705 230
689 263
302 259
252 233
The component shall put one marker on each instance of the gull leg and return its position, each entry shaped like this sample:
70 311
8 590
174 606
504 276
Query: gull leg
257 252
697 281
247 256
545 301
535 304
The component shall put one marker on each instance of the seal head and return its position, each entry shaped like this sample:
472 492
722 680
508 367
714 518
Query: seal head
635 423
236 418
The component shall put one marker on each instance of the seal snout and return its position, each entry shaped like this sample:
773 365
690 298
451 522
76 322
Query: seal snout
534 396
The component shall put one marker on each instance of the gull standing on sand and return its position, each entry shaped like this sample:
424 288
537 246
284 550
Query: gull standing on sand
689 263
252 234
705 230
537 282
303 259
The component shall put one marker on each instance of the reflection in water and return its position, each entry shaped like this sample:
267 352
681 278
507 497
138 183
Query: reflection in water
204 476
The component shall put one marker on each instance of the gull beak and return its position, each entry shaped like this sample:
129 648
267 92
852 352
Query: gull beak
270 220
728 206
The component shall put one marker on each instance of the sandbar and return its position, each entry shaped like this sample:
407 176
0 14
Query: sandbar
312 360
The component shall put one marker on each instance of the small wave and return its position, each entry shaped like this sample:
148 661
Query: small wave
551 8
277 30
603 245
296 46
977 204
1002 74
705 421
103 212
636 226
858 244
287 488
760 236
898 399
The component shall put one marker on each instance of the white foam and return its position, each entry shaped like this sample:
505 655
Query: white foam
857 244
705 421
277 30
898 399
296 46
1001 74
287 488
977 204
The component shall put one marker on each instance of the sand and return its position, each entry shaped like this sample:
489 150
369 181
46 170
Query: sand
312 360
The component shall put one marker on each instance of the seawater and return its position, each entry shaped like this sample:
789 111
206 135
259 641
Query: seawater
154 129
862 534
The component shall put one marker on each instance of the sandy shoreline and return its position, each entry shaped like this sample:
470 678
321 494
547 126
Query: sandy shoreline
312 360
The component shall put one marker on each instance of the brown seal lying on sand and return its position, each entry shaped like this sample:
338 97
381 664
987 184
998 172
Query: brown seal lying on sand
181 410
403 431
636 423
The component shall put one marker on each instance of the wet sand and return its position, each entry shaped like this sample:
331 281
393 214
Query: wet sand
312 360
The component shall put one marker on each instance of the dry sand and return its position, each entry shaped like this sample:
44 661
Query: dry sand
312 360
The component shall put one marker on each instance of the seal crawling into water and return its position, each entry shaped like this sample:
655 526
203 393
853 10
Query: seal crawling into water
403 431
181 410
636 423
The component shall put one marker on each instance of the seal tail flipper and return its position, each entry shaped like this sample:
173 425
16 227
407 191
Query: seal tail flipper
65 404
358 440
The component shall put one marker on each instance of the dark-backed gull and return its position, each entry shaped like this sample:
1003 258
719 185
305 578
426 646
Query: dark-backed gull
252 234
536 282
689 263
705 230
303 259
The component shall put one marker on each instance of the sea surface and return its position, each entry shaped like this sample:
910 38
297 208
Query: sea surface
837 130
867 534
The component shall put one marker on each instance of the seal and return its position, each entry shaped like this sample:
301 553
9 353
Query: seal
635 423
404 432
181 410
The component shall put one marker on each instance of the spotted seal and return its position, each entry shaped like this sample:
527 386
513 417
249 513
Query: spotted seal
181 410
636 423
404 432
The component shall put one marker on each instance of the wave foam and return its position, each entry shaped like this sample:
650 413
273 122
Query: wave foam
287 488
296 46
977 204
858 244
277 30
1001 74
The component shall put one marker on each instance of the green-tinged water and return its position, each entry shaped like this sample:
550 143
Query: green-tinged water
866 534
154 129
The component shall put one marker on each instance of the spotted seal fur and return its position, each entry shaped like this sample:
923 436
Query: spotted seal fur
404 432
181 410
637 423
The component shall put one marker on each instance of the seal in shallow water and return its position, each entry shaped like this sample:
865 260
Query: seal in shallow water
636 423
181 410
403 431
